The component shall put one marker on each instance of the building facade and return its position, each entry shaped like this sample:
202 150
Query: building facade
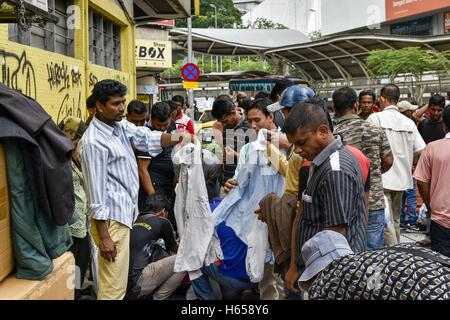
59 64
153 56
397 17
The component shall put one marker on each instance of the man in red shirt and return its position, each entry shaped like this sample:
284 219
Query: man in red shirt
182 121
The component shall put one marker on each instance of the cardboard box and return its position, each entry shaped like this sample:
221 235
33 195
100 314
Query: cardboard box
6 249
58 285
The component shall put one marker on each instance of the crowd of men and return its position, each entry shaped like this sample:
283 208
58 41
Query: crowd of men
334 190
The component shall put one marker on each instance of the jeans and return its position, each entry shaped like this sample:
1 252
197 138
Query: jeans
410 199
375 229
440 238
202 287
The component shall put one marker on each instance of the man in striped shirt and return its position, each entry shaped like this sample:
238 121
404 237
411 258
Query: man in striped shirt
334 195
112 183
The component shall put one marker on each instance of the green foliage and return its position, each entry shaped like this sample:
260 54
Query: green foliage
263 23
315 35
411 60
228 16
228 64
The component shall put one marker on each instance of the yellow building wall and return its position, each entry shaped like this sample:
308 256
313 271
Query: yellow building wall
59 83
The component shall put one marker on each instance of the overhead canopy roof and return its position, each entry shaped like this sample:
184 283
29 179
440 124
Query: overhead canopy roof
343 57
153 10
237 42
337 58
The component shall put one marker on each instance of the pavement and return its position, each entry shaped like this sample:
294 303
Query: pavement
411 237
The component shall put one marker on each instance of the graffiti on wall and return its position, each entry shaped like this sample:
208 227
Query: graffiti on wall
20 73
68 82
70 106
92 80
62 81
17 72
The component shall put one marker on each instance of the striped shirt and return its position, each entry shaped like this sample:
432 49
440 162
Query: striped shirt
110 169
334 196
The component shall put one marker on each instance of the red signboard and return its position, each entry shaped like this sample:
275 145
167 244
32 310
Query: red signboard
167 23
396 9
190 72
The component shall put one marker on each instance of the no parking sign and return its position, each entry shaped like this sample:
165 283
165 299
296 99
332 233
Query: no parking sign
190 72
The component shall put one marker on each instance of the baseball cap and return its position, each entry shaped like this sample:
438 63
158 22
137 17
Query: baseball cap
322 249
73 127
291 96
405 106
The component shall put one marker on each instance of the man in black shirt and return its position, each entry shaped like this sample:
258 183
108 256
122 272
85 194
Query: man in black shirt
234 134
432 129
156 174
151 266
334 194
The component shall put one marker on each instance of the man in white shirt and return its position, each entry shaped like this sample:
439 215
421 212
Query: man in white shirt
406 145
112 183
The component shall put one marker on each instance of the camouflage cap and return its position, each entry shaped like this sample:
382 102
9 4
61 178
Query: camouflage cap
73 127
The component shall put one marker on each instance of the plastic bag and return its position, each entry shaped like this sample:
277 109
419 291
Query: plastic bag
258 243
387 212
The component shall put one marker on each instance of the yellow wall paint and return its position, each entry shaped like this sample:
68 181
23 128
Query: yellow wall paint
59 83
97 73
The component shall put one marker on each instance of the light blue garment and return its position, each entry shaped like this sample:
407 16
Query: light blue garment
255 180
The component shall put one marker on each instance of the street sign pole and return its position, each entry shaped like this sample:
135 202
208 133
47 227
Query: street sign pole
190 91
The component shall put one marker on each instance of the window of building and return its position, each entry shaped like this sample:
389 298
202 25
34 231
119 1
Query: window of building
420 27
447 22
104 41
52 37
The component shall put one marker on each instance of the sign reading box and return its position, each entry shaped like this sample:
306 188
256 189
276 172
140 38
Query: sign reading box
153 54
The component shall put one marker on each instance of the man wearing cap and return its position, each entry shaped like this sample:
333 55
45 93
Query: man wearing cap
74 129
402 272
406 145
432 174
408 214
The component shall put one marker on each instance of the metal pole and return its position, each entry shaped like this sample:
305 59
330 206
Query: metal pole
215 12
190 91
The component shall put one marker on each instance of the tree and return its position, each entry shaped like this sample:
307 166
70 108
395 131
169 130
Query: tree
228 64
228 16
263 23
411 60
315 35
